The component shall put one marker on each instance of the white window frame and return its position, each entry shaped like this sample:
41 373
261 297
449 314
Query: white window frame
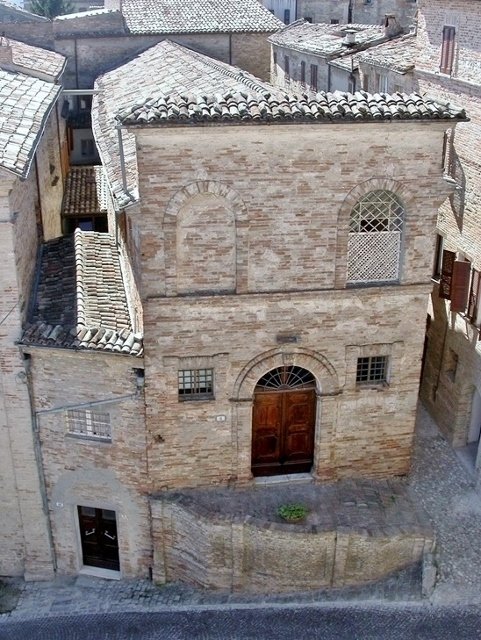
87 423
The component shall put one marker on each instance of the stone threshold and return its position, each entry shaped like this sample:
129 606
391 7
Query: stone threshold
288 478
97 572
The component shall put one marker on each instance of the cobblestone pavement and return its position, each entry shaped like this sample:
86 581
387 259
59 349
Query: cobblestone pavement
438 482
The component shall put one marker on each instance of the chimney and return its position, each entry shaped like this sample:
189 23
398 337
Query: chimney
6 55
391 26
349 37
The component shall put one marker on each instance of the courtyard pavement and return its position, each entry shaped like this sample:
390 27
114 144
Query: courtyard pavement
439 483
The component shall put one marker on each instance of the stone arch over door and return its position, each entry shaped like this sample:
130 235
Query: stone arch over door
350 201
327 390
189 214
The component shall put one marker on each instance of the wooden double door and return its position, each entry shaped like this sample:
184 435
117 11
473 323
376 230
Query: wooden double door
283 424
98 533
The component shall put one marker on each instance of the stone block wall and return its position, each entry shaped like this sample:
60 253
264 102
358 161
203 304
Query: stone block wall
258 556
86 471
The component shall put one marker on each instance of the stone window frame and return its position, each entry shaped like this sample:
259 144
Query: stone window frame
392 351
218 362
372 370
89 424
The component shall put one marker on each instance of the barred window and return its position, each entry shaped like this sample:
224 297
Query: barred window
372 369
89 423
196 384
374 245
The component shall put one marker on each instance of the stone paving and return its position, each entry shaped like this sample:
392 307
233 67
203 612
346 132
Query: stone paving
438 482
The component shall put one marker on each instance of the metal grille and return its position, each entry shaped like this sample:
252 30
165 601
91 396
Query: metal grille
196 383
371 369
377 211
89 423
373 257
286 378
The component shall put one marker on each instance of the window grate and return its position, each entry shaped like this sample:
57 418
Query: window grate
371 369
374 245
195 384
89 423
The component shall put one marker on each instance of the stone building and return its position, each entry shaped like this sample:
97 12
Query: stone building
324 57
449 67
32 171
234 323
389 67
343 11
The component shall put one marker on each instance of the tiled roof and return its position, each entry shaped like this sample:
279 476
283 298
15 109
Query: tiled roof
247 106
398 54
169 84
25 104
26 16
85 192
84 14
33 60
160 70
325 39
80 300
198 16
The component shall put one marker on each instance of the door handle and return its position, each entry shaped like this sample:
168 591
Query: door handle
89 533
107 535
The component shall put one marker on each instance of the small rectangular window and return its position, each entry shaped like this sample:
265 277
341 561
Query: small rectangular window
286 67
87 147
438 257
287 16
372 369
303 72
196 384
474 297
91 424
314 77
447 50
308 18
334 21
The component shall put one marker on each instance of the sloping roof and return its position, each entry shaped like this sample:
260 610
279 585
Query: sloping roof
84 14
85 192
160 70
80 300
169 85
33 61
198 16
325 40
25 104
398 54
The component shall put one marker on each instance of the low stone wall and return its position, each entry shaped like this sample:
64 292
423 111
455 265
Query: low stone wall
259 556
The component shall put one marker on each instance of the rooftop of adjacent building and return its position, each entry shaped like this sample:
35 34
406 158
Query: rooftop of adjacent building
327 40
398 54
170 85
79 300
85 191
33 61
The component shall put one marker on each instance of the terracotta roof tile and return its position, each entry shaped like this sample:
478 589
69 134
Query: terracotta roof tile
34 61
85 192
80 300
398 54
198 16
25 104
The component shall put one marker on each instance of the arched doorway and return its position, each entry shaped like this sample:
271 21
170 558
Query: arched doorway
283 422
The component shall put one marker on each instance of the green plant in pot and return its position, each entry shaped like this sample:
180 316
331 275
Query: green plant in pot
293 512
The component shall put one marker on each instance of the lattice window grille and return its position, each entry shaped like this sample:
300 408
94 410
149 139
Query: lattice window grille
288 377
89 423
377 211
373 257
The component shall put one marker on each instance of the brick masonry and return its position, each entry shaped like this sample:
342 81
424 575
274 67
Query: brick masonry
450 399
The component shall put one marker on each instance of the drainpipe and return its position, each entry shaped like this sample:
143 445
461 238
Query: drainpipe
122 163
349 11
328 76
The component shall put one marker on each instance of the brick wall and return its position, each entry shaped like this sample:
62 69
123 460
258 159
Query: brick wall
290 272
87 472
362 12
449 397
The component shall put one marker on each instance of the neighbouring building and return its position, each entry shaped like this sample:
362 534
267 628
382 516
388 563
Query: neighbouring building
324 57
389 67
343 11
449 67
32 171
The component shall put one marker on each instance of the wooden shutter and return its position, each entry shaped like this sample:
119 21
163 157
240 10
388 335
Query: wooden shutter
460 285
474 295
447 50
445 281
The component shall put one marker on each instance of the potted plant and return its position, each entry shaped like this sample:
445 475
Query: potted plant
293 512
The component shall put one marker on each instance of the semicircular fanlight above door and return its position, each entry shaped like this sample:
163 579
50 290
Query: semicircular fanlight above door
288 377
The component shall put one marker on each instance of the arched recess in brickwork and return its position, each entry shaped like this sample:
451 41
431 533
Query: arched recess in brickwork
193 226
326 378
401 192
